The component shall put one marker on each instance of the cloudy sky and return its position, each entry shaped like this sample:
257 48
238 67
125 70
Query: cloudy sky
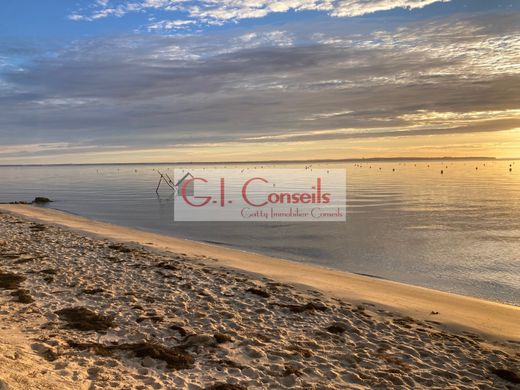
215 80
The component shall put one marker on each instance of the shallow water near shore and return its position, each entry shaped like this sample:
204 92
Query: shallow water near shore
458 231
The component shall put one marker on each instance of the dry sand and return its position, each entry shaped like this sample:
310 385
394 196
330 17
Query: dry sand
173 314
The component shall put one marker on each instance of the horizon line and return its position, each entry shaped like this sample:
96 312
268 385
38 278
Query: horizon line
362 159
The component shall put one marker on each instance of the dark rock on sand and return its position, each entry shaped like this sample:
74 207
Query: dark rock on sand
41 200
9 281
81 318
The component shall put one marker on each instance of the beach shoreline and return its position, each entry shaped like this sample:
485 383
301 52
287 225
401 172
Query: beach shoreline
457 312
89 305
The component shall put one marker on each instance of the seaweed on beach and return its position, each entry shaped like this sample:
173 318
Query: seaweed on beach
9 255
37 227
225 386
24 260
222 338
49 355
507 375
96 348
336 328
9 281
92 291
22 296
121 248
167 265
308 307
179 329
81 318
175 358
260 293
48 271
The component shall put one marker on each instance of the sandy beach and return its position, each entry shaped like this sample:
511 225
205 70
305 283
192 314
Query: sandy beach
89 305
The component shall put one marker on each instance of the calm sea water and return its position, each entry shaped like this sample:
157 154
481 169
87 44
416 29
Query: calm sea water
457 232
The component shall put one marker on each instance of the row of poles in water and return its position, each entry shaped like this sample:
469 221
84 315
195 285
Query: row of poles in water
442 170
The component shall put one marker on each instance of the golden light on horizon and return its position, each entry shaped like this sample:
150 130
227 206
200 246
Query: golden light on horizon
499 144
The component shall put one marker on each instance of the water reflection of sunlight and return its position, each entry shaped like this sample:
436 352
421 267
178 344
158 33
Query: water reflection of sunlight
406 221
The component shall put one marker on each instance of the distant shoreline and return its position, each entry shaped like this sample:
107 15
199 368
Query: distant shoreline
316 161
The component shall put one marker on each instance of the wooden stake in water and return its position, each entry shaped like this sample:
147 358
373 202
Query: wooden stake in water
164 177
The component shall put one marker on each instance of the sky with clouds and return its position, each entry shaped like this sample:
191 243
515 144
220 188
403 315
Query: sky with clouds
217 80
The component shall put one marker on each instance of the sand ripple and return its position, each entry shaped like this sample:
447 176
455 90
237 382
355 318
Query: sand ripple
105 315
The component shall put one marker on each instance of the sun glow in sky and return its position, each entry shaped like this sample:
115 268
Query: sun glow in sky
161 80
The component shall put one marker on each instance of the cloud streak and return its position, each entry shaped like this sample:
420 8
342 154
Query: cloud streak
211 12
300 83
